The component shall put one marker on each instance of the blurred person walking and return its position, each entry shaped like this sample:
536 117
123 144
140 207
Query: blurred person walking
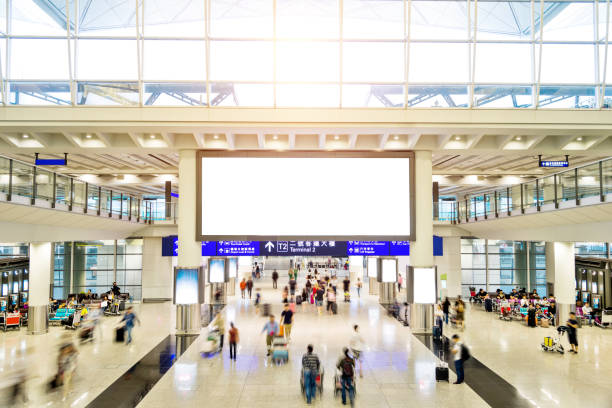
274 280
310 366
357 345
271 329
243 285
287 321
219 324
233 340
461 353
129 318
346 365
249 286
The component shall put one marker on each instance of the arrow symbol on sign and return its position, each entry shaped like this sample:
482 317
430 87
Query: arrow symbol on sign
269 246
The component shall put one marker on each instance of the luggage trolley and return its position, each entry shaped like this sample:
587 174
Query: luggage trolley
606 319
318 381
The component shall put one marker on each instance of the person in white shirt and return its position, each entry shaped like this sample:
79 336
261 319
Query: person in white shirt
587 312
457 353
357 345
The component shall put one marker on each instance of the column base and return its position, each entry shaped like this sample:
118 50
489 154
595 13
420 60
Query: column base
563 311
386 295
188 319
421 317
373 285
38 319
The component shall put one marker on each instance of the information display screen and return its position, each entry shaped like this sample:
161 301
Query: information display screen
424 285
186 286
233 267
216 270
389 270
245 198
372 267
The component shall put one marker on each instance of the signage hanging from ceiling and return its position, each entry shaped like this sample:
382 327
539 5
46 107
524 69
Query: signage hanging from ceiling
553 163
51 162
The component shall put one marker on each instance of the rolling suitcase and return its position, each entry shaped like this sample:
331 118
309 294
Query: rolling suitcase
122 305
488 305
298 299
334 308
437 333
266 309
442 369
120 334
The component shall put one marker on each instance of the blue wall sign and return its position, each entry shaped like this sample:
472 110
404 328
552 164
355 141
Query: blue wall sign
301 248
554 163
238 248
306 248
368 248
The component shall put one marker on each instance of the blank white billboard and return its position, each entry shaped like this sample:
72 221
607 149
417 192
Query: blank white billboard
255 197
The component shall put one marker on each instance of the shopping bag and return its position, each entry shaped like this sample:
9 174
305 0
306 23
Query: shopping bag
281 331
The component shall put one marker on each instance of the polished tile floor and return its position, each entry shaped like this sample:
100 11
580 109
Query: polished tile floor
399 369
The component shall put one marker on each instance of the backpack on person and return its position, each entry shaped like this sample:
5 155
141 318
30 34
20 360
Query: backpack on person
347 367
465 353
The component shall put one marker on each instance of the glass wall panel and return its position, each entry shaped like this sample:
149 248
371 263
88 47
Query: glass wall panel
14 250
44 184
61 270
503 63
173 94
438 96
4 174
22 179
500 96
3 21
307 61
592 249
240 94
298 19
94 266
433 19
307 95
373 19
107 93
373 61
177 18
568 21
39 93
241 19
242 61
567 97
39 59
504 20
380 96
101 59
174 60
568 63
438 62
28 18
129 266
108 19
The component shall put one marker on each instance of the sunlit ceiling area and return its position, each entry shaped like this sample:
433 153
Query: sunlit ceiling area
315 53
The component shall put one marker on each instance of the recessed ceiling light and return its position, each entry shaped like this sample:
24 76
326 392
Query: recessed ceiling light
88 136
579 138
25 136
275 137
518 138
215 136
152 136
457 138
396 137
336 137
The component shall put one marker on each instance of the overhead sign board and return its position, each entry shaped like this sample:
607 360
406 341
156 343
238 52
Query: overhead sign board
237 248
368 248
553 163
305 248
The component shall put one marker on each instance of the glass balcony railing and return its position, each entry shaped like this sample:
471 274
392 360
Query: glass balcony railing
549 192
45 188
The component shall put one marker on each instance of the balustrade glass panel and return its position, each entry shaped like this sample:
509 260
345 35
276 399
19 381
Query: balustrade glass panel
62 189
44 184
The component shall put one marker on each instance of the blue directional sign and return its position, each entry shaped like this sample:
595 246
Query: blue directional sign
238 248
170 247
368 248
311 248
554 163
399 248
209 248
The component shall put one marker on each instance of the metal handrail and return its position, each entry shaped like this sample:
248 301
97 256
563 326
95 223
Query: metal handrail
554 188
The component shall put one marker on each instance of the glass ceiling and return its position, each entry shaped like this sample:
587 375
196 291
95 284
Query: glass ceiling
306 53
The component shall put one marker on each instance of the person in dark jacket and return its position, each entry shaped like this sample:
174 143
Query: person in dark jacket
446 308
531 316
249 286
115 289
274 279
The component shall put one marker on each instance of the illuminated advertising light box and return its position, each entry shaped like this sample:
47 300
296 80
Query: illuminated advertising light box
217 270
388 270
188 286
233 267
422 285
224 179
372 267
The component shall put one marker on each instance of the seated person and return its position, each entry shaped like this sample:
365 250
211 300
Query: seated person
115 289
68 321
89 295
72 303
54 304
587 312
524 302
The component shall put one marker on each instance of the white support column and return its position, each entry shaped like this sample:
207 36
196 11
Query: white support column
421 249
356 269
157 271
450 265
189 250
41 265
560 269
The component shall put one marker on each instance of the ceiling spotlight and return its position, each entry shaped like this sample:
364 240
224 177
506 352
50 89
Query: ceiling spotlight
88 136
396 137
579 138
25 136
152 136
215 137
518 138
457 138
336 137
275 137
